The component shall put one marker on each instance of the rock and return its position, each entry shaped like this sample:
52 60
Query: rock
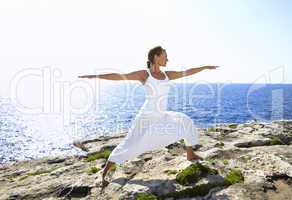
242 161
55 160
253 143
73 191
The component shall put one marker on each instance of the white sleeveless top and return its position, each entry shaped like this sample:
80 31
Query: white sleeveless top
156 94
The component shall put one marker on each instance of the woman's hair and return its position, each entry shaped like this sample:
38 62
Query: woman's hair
154 51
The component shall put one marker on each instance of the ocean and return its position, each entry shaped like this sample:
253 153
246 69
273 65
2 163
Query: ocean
25 136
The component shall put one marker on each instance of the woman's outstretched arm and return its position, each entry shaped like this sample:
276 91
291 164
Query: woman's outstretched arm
136 75
179 74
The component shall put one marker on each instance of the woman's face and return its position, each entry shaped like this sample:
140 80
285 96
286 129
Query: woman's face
162 59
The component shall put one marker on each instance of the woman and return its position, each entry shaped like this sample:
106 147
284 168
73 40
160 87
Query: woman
141 137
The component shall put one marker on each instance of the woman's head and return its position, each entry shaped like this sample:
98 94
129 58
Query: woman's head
157 55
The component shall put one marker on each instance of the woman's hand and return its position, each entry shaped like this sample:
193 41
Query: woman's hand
210 67
87 76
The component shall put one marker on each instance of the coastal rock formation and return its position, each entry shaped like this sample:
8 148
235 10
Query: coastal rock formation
241 161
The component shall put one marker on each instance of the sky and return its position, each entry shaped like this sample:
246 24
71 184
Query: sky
250 40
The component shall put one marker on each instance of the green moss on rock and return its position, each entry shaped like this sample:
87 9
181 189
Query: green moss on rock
233 126
170 172
38 172
245 158
212 129
101 154
211 160
219 144
146 196
225 162
276 141
193 173
23 177
93 169
234 176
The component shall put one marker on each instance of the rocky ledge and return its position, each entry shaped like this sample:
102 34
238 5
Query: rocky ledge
241 161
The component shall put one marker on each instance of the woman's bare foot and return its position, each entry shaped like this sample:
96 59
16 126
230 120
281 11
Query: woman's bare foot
103 183
195 157
104 171
80 145
191 155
